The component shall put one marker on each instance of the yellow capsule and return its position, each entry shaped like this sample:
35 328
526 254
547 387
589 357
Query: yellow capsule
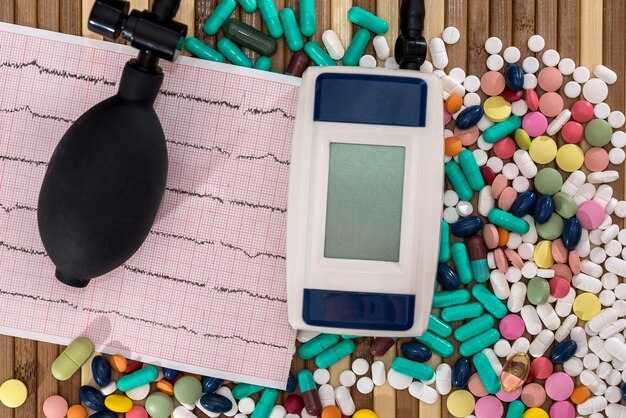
515 372
543 254
118 403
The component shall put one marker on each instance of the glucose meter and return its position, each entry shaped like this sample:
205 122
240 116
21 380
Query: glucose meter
364 206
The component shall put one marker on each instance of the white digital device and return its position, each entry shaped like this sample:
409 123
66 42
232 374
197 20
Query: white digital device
364 206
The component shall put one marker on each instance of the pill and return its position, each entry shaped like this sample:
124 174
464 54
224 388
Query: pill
536 43
451 35
438 53
72 358
216 19
53 407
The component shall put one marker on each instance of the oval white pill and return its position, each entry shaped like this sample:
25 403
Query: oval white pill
381 47
605 74
438 53
333 44
378 373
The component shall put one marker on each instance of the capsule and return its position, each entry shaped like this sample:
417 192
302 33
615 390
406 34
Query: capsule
137 378
269 14
318 55
334 354
201 50
487 374
457 179
357 47
450 298
515 372
248 6
216 19
297 64
333 44
474 327
416 352
367 20
263 63
516 409
244 390
317 345
444 242
381 345
507 221
72 358
491 303
233 53
310 395
265 404
249 37
471 170
478 256
307 17
412 368
461 312
291 29
467 226
499 130
436 343
462 262
479 342
439 326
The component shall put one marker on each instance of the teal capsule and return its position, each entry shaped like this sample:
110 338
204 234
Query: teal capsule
444 242
263 63
201 50
248 6
349 337
137 378
450 297
439 326
461 260
269 14
243 390
318 55
316 345
457 179
498 131
470 170
265 404
516 409
357 47
249 37
492 304
216 19
508 221
486 373
306 381
436 344
307 17
412 368
233 53
367 20
480 270
479 342
292 31
461 312
474 327
334 354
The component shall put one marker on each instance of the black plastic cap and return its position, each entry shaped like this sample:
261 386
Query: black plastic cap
107 17
410 52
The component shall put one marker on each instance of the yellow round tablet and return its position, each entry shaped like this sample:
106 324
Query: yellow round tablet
586 306
535 413
13 393
570 158
542 149
497 109
543 254
364 413
461 403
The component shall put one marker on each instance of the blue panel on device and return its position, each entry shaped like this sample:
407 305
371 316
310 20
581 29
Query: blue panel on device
370 99
358 310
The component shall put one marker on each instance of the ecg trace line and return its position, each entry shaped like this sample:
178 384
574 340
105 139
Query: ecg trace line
17 206
34 115
137 319
235 202
59 73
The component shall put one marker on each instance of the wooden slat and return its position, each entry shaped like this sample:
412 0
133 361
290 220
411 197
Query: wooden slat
70 16
48 14
435 18
547 22
7 11
278 60
323 18
390 10
456 15
47 385
203 10
68 389
143 4
7 371
523 24
187 15
500 20
590 33
26 13
25 369
336 369
478 20
370 6
384 397
339 20
569 17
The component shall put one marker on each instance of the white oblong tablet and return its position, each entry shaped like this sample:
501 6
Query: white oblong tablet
605 74
381 47
333 44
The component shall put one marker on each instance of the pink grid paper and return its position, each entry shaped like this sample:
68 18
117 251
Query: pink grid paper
206 292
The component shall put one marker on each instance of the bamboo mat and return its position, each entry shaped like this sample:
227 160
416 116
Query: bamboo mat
588 31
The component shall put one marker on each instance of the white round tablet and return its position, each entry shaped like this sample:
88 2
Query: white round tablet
530 81
520 184
427 67
607 297
601 110
451 35
483 145
365 385
617 156
246 405
321 376
550 58
493 45
567 66
595 90
464 208
515 240
572 89
597 255
471 99
347 378
450 215
139 393
510 170
526 250
581 75
536 43
471 83
529 269
519 107
616 119
360 366
480 156
391 63
512 54
618 139
495 163
530 65
397 380
591 361
502 348
495 62
458 74
368 61
450 198
613 248
609 280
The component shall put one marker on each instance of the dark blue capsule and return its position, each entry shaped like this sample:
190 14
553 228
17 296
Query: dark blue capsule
91 398
469 117
170 374
104 414
215 403
292 383
211 384
563 352
101 370
461 373
416 351
524 203
544 208
514 77
623 390
466 227
447 277
572 231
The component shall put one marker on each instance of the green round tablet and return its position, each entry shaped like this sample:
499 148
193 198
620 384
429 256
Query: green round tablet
522 139
538 290
159 405
598 132
552 229
187 389
564 205
548 181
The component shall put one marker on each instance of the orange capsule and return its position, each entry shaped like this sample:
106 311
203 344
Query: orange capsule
453 146
331 411
503 236
165 387
77 411
454 103
118 363
580 394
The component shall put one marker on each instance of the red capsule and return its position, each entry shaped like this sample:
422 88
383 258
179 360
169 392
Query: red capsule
298 63
476 248
512 96
312 402
133 366
381 345
488 174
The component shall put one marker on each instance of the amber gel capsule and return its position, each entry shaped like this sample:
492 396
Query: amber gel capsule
478 256
310 395
515 372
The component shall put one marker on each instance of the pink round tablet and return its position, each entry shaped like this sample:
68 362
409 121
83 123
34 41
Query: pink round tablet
504 148
499 184
559 287
492 83
532 100
559 252
512 327
467 136
475 385
137 411
506 198
502 264
550 79
509 396
582 111
541 367
489 407
562 409
572 132
514 258
533 395
535 123
573 260
447 117
596 159
590 214
559 386
551 104
490 235
562 270
55 407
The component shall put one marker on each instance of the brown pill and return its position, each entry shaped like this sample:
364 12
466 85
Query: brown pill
381 345
476 248
312 402
298 63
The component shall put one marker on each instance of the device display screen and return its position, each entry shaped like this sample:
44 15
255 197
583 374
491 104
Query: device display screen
364 202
